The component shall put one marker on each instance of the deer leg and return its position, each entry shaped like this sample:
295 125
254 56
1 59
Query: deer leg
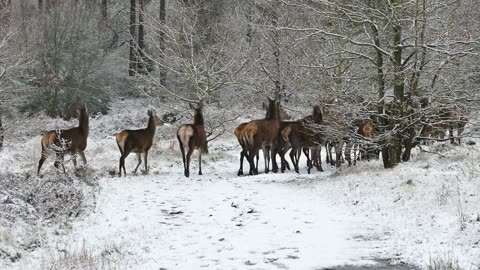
242 156
182 149
122 162
306 152
282 160
59 162
189 155
266 154
450 130
309 161
74 161
199 162
145 157
258 157
293 153
297 158
348 153
329 154
139 158
41 161
284 164
84 160
274 158
319 159
338 154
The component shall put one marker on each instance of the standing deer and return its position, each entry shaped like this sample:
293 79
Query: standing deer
137 141
362 130
447 120
303 134
71 141
191 137
262 134
239 133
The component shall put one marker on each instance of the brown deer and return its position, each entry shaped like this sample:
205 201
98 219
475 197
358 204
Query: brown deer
303 134
447 120
262 134
191 137
71 141
454 119
137 141
239 133
361 131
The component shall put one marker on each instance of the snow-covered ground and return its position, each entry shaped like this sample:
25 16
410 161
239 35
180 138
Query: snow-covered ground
422 211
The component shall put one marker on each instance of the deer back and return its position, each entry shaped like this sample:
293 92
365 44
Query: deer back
264 131
139 140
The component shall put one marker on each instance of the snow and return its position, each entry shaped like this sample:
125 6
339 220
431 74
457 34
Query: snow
425 209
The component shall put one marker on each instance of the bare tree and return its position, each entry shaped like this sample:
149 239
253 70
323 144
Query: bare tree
397 45
5 35
104 8
141 63
163 17
132 65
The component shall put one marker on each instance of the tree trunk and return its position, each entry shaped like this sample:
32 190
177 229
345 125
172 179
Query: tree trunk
5 11
276 51
132 70
141 39
104 10
163 16
2 135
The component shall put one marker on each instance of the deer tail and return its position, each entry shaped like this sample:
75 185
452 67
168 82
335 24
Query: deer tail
286 133
249 134
121 139
204 148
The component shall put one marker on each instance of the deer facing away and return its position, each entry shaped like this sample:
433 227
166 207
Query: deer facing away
68 141
137 141
191 137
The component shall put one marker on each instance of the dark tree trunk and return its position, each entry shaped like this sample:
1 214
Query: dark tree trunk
2 135
5 11
163 17
132 70
141 39
276 52
104 10
248 14
398 90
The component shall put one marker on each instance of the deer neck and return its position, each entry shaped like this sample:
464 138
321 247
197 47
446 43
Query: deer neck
83 123
151 127
198 119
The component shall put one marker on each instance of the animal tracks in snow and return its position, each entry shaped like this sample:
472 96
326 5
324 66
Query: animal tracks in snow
239 223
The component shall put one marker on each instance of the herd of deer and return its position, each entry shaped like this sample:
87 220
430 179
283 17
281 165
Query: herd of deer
274 134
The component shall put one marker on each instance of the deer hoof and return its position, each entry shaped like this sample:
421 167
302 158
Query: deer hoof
239 173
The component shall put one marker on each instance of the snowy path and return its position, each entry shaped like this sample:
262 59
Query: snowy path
239 223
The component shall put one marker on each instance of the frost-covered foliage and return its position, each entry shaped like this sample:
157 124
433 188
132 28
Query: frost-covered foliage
66 51
29 204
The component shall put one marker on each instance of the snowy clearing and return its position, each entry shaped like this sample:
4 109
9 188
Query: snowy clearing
424 210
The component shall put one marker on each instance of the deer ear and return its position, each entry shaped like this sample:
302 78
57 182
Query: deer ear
264 106
191 106
149 112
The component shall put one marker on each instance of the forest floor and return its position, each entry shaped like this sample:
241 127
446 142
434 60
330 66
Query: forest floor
421 213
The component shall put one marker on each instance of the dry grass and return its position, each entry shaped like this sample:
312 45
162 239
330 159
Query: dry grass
446 262
82 259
